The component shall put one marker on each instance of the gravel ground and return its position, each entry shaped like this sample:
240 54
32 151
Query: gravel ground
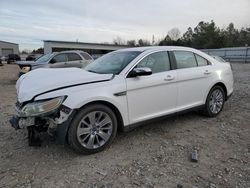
154 155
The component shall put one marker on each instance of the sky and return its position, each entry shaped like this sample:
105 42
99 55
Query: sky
29 22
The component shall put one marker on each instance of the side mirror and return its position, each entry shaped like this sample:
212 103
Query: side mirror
52 61
142 71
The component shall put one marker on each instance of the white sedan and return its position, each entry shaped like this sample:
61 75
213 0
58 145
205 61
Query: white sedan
122 89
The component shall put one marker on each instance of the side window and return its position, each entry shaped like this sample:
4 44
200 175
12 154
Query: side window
73 57
86 56
185 59
201 61
158 62
60 58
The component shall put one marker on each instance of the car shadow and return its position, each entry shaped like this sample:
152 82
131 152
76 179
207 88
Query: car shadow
169 124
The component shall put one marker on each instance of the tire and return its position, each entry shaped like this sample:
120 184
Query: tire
89 133
215 101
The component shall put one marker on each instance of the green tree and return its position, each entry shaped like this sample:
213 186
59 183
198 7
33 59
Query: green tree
187 37
231 36
167 41
207 35
244 37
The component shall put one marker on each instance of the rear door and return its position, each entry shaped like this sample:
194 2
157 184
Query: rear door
74 60
194 77
86 59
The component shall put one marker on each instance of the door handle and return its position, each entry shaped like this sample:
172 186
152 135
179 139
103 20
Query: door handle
207 72
169 78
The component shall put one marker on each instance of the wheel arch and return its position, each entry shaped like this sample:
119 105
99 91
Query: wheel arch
112 107
62 130
223 86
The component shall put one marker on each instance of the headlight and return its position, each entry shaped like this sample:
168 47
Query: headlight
41 107
25 69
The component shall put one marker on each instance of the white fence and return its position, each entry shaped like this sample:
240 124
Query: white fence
236 54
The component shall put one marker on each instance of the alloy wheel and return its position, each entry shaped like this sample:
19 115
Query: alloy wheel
216 101
94 129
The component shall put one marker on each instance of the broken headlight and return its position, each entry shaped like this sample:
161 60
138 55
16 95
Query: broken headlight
41 107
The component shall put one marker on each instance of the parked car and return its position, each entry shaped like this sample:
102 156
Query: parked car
57 60
3 58
1 64
12 58
32 57
122 89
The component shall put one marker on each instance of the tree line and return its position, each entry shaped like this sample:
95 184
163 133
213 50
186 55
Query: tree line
204 35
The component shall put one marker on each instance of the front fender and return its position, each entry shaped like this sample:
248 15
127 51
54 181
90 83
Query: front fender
79 96
62 129
120 102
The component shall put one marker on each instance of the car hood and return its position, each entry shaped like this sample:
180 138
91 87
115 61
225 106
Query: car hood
44 80
26 62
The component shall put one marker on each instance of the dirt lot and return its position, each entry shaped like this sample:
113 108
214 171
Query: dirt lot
155 155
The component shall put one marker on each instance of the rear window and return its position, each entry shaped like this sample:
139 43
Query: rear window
201 61
218 58
86 56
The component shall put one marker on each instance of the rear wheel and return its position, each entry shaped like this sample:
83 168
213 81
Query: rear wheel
93 129
215 101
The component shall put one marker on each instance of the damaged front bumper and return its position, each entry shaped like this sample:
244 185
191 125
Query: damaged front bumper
14 121
55 123
19 123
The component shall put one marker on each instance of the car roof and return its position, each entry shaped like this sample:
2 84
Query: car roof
153 48
71 51
149 49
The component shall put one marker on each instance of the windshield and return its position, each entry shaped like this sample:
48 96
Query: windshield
44 58
112 63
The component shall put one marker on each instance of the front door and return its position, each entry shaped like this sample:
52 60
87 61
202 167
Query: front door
153 95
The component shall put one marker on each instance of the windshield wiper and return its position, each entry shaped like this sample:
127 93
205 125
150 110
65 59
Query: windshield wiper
93 71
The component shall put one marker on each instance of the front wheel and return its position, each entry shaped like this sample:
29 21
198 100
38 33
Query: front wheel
93 129
215 101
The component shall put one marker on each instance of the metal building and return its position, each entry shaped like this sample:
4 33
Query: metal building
91 48
7 48
233 54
